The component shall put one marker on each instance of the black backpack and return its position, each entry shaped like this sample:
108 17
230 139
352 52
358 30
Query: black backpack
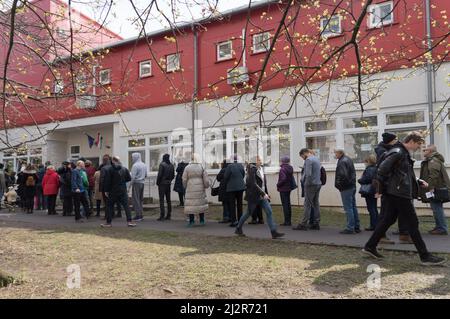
323 175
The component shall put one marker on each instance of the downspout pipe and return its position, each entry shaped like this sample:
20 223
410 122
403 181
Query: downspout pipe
429 70
195 91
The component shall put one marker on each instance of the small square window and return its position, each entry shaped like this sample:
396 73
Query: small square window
380 14
75 150
172 62
145 68
261 42
330 27
81 83
105 76
59 86
224 50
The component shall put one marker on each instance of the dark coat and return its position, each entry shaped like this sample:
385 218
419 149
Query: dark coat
116 179
254 183
432 171
368 176
65 179
285 177
222 186
381 148
345 174
234 177
396 173
29 191
166 174
104 168
178 187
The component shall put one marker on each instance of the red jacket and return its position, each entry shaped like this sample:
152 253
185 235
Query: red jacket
90 171
50 183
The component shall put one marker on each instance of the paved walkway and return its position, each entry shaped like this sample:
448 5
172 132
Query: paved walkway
326 236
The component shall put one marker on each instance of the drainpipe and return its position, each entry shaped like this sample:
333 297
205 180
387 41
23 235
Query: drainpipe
195 93
429 71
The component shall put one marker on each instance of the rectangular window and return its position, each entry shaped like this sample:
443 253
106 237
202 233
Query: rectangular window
360 145
401 133
261 42
81 83
145 68
330 26
404 118
162 140
182 153
214 147
224 50
323 147
320 126
380 14
136 143
105 76
156 157
173 62
357 122
59 86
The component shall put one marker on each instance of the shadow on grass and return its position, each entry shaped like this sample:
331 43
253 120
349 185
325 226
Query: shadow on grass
336 270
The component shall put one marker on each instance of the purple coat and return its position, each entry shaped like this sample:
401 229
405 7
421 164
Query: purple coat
285 178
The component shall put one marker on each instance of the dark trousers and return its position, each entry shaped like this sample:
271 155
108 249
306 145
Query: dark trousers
90 191
164 191
29 203
235 205
51 204
371 203
287 209
181 197
106 201
98 204
257 216
67 205
122 200
41 203
402 226
393 207
77 199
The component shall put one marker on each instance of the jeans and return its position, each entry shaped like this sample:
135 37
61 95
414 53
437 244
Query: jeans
137 195
439 216
80 198
311 205
394 207
226 210
164 191
235 204
349 202
41 203
121 200
265 205
371 203
287 209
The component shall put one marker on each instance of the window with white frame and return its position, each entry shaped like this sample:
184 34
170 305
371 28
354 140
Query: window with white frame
58 86
214 147
145 68
81 83
74 152
380 14
261 42
105 76
330 27
136 145
321 138
13 160
172 62
224 50
360 137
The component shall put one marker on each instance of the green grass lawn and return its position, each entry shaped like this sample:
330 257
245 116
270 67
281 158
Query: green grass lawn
138 263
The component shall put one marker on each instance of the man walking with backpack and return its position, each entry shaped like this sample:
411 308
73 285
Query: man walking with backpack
400 186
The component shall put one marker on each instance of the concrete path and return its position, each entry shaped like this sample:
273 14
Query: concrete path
326 236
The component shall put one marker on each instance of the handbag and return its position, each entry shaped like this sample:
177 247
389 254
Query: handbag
442 194
366 190
215 190
293 183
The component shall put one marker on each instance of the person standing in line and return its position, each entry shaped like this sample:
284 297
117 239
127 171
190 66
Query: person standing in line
41 200
256 193
138 176
3 186
195 181
235 186
50 186
367 190
98 196
30 179
312 185
115 189
223 194
286 184
90 171
166 173
78 192
400 187
345 182
178 186
433 172
104 167
65 181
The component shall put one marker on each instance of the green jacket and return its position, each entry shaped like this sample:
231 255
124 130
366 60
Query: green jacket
85 179
433 171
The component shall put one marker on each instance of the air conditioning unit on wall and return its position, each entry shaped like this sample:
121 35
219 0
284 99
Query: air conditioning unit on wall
237 75
86 101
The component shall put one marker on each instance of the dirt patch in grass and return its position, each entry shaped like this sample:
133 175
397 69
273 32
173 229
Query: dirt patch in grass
137 263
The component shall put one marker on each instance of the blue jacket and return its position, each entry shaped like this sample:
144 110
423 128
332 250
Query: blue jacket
77 181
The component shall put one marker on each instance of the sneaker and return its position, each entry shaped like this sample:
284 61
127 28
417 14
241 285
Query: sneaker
437 232
130 224
387 241
372 253
405 239
347 232
357 230
315 227
105 225
431 260
276 235
239 232
300 227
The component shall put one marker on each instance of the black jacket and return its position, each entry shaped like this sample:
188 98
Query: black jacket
368 175
116 179
178 187
222 186
345 174
234 177
65 178
396 173
254 183
166 174
104 168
